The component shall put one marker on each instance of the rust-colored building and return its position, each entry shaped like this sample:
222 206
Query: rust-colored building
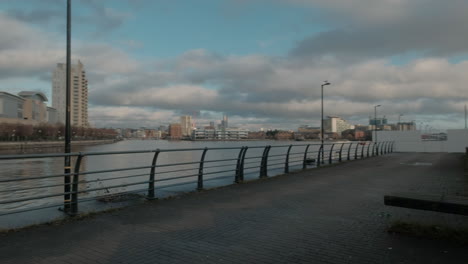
175 131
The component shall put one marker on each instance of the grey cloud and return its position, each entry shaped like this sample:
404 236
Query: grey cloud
426 27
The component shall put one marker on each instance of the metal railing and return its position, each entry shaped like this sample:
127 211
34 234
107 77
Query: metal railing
81 186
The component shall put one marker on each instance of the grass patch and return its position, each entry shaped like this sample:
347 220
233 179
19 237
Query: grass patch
437 232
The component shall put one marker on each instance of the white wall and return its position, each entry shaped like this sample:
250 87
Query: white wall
457 140
410 141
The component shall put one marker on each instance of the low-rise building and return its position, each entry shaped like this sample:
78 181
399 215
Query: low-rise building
28 107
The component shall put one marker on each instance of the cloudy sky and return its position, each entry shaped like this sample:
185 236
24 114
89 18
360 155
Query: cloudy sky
260 61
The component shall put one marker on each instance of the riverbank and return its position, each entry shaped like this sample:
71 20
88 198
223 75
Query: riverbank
31 145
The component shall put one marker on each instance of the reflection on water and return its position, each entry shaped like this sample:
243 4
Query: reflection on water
110 182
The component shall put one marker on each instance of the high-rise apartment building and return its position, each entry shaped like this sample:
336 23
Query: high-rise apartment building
224 122
335 124
78 94
186 125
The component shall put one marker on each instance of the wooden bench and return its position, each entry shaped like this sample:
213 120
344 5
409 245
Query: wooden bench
439 203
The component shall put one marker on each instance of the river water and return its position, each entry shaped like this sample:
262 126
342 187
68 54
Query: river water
20 169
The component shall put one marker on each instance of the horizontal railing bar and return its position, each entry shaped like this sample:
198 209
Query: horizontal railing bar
115 178
94 198
246 168
164 172
219 177
277 155
275 159
176 178
36 178
112 187
208 161
256 157
176 184
33 198
32 188
216 172
219 166
51 155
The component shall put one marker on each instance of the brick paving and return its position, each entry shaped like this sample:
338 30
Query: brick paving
327 215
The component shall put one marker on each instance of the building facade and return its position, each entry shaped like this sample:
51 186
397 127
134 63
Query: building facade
78 94
336 124
175 131
186 126
27 108
220 134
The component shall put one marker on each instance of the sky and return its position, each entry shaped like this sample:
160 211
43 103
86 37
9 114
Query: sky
262 62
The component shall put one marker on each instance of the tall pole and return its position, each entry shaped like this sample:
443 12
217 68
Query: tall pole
67 165
375 125
465 117
321 123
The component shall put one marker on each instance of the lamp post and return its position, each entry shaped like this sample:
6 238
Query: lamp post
321 123
67 161
375 126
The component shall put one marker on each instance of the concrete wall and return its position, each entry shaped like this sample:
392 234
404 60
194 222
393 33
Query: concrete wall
410 141
457 140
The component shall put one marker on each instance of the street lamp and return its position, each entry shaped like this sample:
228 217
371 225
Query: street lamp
375 126
321 123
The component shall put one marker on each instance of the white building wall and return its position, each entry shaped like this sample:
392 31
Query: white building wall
457 140
410 141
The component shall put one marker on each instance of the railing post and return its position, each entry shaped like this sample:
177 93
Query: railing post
373 148
241 174
152 175
349 151
330 157
304 161
393 143
286 163
362 150
74 191
319 161
264 163
355 151
341 149
200 171
238 166
382 148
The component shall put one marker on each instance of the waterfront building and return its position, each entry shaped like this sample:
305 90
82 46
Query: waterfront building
406 126
186 125
220 134
175 131
378 121
28 107
224 122
335 124
78 94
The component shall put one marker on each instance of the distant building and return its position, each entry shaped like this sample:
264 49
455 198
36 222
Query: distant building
78 94
405 126
335 124
175 131
186 125
378 121
224 122
220 134
27 107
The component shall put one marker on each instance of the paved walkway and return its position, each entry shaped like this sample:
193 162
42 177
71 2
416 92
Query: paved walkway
327 215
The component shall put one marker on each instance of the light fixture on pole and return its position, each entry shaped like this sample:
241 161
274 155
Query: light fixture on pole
321 123
375 126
